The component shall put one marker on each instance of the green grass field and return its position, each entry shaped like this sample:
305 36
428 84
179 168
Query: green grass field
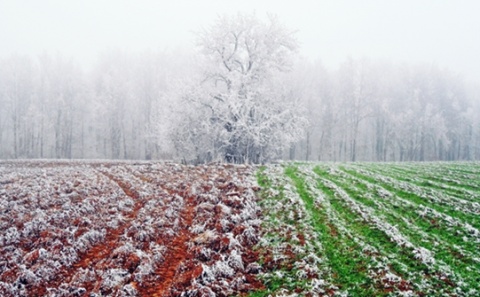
371 229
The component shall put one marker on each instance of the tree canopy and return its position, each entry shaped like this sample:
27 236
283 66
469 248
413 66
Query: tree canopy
242 110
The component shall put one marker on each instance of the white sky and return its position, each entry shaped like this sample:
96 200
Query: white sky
443 32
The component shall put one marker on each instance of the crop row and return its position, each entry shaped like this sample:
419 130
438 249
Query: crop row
147 229
379 229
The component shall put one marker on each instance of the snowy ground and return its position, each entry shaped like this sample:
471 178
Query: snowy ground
102 228
126 229
373 229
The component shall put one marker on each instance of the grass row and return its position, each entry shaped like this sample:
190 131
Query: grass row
401 258
449 248
285 221
345 257
341 212
408 194
461 187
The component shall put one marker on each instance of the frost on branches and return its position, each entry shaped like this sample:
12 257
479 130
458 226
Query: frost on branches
240 110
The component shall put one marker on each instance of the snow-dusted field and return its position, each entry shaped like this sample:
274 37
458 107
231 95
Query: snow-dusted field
126 229
373 229
102 228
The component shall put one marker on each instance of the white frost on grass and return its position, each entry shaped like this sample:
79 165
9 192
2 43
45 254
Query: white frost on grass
288 215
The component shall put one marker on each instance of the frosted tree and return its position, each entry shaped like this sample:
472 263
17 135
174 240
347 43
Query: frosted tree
243 112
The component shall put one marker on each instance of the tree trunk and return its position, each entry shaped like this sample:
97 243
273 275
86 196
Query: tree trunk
308 148
292 151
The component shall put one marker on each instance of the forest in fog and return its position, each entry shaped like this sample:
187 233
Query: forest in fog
243 96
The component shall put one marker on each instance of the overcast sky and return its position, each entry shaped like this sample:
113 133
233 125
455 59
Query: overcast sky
441 32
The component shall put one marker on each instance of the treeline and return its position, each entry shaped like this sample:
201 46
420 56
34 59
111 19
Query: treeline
129 106
50 108
377 111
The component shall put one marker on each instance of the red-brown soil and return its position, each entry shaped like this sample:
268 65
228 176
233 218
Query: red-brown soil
127 229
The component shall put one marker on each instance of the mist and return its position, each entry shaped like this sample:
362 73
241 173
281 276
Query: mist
365 81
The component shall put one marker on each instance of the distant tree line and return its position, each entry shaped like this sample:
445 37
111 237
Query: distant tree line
243 97
376 111
50 108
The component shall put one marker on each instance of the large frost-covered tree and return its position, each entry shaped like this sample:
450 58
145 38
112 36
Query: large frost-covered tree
241 109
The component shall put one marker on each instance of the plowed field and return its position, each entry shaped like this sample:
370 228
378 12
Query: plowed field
156 229
125 229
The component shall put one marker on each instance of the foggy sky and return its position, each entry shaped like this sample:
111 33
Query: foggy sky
439 32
